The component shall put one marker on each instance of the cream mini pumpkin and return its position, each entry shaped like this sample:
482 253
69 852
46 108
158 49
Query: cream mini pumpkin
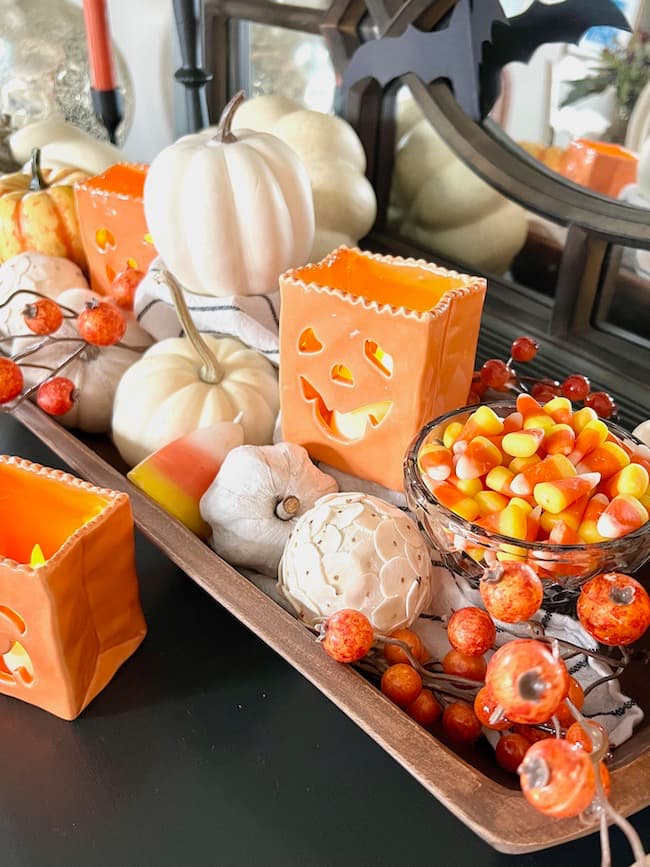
95 373
441 204
228 214
185 383
256 500
344 200
63 144
353 550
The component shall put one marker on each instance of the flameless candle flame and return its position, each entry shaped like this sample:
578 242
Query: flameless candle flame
37 557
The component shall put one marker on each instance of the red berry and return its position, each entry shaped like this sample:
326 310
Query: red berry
473 398
601 403
614 608
511 751
471 667
495 373
527 680
43 316
575 387
532 733
124 285
56 396
101 323
524 349
395 654
471 631
484 708
401 683
512 592
425 709
11 380
461 723
545 390
558 778
348 635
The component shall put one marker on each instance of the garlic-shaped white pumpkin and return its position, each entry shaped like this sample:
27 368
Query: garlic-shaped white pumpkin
95 373
344 200
229 214
257 498
33 272
353 550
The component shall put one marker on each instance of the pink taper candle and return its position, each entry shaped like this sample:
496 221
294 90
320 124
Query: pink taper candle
100 53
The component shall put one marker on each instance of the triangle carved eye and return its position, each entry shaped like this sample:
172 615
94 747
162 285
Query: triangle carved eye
376 355
308 342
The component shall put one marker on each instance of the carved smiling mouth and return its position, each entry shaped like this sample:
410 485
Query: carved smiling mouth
346 426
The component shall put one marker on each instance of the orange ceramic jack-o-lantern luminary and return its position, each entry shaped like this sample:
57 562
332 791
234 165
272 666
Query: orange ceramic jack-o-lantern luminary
372 347
113 227
70 618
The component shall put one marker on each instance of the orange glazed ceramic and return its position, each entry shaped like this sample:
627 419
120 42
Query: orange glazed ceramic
67 624
113 227
371 348
603 167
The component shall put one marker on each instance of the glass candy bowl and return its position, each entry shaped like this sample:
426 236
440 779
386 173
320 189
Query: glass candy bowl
467 549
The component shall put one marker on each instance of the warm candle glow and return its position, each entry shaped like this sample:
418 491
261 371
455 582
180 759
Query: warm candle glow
98 38
37 557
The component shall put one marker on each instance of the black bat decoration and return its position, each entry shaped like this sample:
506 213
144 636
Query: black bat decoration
472 44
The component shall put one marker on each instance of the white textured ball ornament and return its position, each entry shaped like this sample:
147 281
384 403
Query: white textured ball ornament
352 550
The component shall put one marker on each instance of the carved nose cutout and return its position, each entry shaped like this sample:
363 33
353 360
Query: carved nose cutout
341 374
308 342
380 359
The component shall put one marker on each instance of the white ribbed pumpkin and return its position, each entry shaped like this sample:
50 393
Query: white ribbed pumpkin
229 214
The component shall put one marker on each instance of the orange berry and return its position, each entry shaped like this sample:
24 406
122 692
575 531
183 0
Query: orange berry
395 654
461 723
511 751
472 667
425 709
484 707
401 683
471 631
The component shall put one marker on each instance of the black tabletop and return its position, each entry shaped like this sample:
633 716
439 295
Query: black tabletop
208 749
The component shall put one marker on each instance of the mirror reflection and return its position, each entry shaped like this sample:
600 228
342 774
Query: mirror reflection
584 110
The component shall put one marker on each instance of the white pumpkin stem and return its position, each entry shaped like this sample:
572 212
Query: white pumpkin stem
211 371
223 133
288 508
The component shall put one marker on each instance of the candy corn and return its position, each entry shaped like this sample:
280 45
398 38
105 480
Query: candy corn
607 459
560 440
632 479
560 410
558 495
482 422
551 468
588 527
479 458
524 443
455 500
623 515
593 434
436 461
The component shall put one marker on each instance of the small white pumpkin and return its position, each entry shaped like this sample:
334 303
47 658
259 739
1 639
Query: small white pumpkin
182 384
33 272
344 200
353 550
95 373
64 144
256 500
228 214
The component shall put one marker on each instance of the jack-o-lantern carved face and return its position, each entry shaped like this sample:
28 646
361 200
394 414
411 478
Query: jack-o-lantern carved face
370 348
15 663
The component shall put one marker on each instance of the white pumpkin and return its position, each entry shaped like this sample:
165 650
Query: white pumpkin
256 499
353 550
163 396
229 214
95 373
35 272
442 204
63 144
344 200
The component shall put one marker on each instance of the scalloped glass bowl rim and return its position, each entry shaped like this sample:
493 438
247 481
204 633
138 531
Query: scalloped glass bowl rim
413 479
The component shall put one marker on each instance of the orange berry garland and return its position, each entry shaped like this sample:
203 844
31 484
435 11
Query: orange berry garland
11 380
101 323
348 635
43 316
